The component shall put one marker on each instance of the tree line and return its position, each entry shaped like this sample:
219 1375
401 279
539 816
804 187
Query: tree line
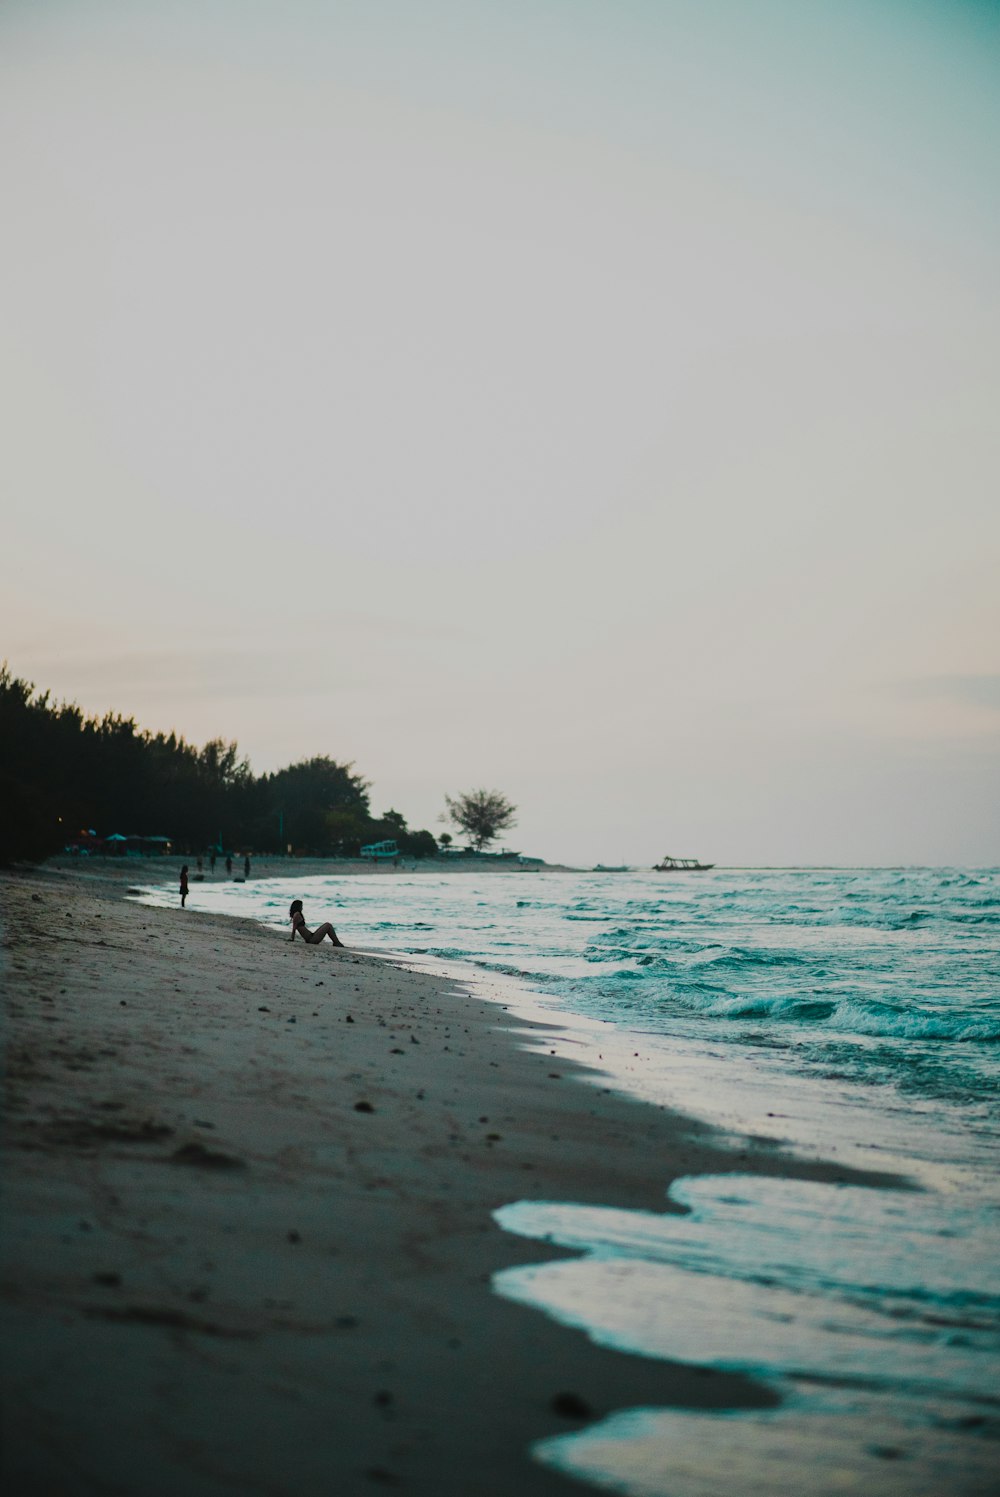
62 773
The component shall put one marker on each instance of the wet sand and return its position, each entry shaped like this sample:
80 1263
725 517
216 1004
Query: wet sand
247 1238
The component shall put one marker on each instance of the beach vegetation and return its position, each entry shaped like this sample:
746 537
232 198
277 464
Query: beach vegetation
63 773
31 826
322 805
481 814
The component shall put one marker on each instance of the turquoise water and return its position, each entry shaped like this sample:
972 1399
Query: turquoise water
851 1015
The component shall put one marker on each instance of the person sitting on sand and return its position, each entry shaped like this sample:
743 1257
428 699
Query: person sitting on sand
311 937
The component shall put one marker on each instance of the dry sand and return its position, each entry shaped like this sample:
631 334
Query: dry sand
247 1240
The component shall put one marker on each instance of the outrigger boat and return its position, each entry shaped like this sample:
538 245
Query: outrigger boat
680 865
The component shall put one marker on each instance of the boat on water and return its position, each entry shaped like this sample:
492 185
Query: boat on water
667 864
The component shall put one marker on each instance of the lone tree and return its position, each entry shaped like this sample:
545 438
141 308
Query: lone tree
481 814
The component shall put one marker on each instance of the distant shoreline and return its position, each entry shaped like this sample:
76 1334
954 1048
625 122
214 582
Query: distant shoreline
160 868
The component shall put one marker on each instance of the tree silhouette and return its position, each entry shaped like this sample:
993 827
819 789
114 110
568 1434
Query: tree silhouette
481 814
62 773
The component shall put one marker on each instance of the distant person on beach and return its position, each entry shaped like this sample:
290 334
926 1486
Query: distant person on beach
184 884
211 861
199 863
311 937
246 866
229 865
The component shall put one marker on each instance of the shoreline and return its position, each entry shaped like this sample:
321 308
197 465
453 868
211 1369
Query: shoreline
249 1243
139 866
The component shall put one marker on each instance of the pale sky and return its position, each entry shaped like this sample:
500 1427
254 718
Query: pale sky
592 401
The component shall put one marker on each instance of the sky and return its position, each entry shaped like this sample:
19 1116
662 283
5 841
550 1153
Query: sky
592 401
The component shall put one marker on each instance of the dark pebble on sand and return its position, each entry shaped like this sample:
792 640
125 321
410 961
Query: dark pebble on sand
294 1236
571 1406
348 1020
203 1158
109 1280
363 1107
383 1398
263 1010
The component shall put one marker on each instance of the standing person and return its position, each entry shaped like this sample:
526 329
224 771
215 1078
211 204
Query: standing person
246 866
211 861
184 884
311 937
199 866
229 865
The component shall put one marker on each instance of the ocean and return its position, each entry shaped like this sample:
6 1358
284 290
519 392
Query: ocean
847 1015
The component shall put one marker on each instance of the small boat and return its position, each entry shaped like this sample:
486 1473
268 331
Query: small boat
680 865
606 868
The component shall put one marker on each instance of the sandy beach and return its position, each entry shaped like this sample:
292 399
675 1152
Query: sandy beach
248 1239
